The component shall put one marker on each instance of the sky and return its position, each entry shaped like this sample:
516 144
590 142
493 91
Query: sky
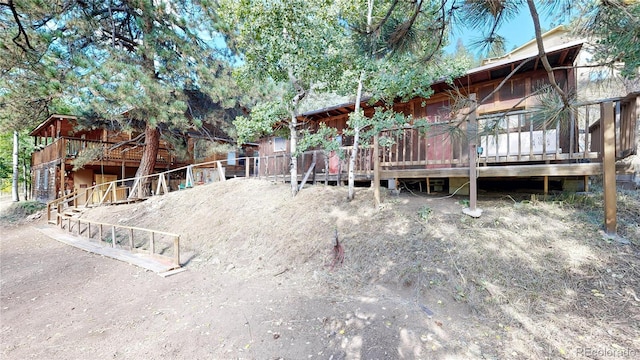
517 31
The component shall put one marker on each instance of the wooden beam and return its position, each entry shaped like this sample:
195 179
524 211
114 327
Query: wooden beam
306 175
580 169
422 173
586 183
376 171
609 166
472 132
546 185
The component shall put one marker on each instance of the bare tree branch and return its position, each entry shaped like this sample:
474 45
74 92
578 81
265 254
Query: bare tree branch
26 47
543 55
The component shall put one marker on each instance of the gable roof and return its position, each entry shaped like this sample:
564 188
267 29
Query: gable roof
66 125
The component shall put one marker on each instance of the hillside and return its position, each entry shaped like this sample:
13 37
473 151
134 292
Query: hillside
527 277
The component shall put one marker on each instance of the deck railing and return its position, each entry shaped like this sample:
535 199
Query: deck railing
337 163
510 138
135 239
69 148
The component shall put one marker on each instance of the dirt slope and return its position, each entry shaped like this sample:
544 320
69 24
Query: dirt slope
419 279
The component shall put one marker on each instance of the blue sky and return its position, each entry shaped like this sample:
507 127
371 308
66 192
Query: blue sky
517 31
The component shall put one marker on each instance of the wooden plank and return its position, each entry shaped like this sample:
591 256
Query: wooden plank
176 251
572 134
586 131
472 133
376 171
422 173
609 166
546 185
542 170
520 136
586 183
306 175
221 174
172 272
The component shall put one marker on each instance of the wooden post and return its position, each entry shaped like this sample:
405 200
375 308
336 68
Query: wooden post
313 175
131 239
546 185
376 171
152 244
176 250
113 191
113 236
189 178
472 133
58 212
100 233
609 166
428 186
312 168
586 183
246 167
162 185
221 175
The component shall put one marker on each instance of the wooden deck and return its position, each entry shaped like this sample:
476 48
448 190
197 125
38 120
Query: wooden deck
67 149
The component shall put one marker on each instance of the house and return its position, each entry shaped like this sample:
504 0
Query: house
506 140
71 159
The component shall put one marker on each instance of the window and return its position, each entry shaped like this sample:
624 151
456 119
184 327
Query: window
231 158
279 144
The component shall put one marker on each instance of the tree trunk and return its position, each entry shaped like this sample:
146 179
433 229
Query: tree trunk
293 144
15 183
356 140
543 55
356 128
25 190
149 156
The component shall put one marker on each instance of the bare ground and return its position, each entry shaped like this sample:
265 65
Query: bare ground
420 280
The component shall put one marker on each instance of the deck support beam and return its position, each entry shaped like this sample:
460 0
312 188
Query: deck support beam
546 185
586 183
376 172
609 166
472 135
